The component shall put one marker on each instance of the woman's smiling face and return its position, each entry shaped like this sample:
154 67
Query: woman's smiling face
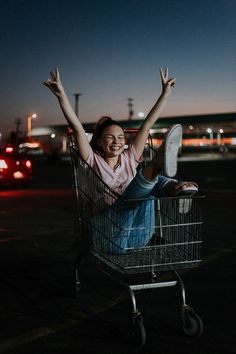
112 141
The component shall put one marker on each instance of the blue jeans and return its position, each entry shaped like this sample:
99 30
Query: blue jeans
130 221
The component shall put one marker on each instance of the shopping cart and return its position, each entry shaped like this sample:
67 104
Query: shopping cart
171 228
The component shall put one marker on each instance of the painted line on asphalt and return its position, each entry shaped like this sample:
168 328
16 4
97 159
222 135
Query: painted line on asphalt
10 239
18 341
40 332
218 254
56 231
37 233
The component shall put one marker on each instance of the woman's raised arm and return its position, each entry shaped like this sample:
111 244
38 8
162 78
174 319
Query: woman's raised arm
154 114
55 85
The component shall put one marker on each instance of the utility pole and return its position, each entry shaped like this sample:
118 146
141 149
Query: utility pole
77 96
18 123
130 105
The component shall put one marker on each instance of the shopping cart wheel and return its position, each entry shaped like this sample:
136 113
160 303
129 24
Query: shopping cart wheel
139 332
191 323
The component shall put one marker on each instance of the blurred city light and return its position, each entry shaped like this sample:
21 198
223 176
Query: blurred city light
9 149
29 145
28 164
141 114
18 175
3 164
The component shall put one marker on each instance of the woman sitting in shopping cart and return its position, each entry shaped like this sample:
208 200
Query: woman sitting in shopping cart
117 165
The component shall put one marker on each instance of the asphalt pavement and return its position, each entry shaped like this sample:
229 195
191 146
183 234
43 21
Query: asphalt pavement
41 314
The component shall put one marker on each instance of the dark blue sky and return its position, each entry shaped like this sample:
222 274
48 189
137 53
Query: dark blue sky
111 50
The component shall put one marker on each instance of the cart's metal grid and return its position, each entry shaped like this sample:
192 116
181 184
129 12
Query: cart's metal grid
101 234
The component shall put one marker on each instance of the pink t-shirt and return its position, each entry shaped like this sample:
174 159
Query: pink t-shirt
117 179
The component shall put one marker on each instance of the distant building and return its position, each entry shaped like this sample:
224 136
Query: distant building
198 130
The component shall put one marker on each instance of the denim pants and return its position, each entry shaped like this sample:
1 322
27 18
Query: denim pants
130 221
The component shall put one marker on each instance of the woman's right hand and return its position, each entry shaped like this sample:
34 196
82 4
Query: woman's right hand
54 84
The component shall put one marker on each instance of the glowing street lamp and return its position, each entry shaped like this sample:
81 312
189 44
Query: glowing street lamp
210 132
29 122
221 131
141 114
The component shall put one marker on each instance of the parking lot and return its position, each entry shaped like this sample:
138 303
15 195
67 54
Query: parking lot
39 310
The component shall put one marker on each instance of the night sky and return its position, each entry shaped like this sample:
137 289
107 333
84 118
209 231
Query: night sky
111 50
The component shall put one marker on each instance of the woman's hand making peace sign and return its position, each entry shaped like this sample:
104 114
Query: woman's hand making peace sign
54 84
166 82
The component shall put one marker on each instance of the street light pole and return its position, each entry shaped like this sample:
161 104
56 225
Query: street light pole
210 132
18 124
29 123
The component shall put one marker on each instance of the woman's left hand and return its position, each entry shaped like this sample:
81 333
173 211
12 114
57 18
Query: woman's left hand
166 82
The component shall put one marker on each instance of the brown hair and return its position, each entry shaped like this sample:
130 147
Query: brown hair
98 130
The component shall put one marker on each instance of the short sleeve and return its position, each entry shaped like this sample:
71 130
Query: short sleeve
90 158
132 154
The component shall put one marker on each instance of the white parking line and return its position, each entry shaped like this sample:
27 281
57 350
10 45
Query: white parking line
10 239
15 342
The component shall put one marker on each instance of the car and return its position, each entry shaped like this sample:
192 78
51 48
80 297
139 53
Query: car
14 168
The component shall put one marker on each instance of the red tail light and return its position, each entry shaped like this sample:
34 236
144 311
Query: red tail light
9 149
28 164
3 164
